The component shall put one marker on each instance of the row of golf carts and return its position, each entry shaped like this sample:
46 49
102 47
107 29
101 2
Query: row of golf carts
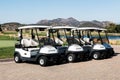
46 44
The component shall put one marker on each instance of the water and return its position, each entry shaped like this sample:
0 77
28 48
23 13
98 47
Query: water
114 37
109 37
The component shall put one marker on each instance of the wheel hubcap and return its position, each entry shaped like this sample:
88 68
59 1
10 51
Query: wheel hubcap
70 58
41 61
95 56
16 58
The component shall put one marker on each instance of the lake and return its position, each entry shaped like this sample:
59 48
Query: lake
110 37
114 37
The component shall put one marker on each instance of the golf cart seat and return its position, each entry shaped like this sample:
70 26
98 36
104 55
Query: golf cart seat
58 41
86 39
29 43
81 41
73 40
46 41
34 43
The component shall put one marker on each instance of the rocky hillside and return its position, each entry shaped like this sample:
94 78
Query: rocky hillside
73 22
57 22
10 26
60 22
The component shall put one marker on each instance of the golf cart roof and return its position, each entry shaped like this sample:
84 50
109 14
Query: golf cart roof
63 27
90 28
33 26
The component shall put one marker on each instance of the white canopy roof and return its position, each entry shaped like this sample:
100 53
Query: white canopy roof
63 27
89 28
33 27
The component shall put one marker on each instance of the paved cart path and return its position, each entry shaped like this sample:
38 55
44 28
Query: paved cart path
107 69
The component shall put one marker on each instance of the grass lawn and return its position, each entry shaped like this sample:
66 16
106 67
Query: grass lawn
6 52
7 43
6 48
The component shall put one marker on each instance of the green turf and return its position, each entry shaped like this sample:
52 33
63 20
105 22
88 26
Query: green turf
3 37
7 43
6 48
6 52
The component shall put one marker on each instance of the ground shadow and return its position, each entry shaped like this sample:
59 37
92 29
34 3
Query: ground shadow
66 62
116 54
57 63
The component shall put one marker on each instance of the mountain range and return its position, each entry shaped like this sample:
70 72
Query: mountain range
58 22
73 22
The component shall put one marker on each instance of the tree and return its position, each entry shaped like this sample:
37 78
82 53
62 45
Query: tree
117 28
1 28
111 28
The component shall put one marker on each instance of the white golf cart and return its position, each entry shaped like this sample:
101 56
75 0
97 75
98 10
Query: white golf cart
66 44
96 42
33 48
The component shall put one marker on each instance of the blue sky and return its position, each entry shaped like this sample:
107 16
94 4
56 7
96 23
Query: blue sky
31 11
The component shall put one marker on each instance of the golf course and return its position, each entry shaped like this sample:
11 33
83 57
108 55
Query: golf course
6 47
7 44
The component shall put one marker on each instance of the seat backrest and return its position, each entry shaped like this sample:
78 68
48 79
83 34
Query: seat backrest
83 42
58 41
28 42
86 39
34 43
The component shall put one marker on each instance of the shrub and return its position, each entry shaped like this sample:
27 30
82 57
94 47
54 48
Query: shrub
2 37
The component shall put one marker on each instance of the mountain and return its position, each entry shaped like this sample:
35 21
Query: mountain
107 23
88 24
10 26
73 22
60 22
94 23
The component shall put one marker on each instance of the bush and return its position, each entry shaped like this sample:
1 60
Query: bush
10 32
117 28
114 29
2 37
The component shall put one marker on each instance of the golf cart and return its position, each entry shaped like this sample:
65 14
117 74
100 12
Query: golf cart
96 42
66 45
32 47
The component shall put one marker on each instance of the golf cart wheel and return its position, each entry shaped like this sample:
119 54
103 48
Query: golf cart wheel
71 57
17 58
96 55
112 53
43 61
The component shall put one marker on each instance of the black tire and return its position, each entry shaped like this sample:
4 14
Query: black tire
96 55
112 53
43 61
17 58
71 57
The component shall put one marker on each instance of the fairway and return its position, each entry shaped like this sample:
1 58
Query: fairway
7 43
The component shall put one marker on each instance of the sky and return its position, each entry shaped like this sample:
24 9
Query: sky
31 11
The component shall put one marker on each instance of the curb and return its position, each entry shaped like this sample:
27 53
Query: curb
6 60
